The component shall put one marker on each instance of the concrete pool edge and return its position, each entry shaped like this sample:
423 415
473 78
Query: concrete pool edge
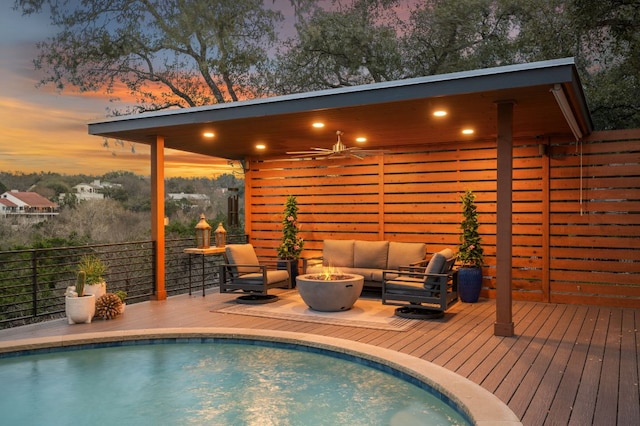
480 405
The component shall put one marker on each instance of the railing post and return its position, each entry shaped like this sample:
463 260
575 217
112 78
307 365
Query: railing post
34 284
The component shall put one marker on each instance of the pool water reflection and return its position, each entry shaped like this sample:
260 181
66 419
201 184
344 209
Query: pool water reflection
209 383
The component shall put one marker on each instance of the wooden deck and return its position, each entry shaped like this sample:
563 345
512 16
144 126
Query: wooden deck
567 364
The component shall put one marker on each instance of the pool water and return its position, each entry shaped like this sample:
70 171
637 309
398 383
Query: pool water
208 383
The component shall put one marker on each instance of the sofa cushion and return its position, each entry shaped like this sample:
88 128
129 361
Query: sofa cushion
338 253
370 254
402 254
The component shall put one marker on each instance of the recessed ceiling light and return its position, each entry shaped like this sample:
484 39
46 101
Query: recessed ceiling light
467 131
318 125
208 134
439 113
361 139
261 146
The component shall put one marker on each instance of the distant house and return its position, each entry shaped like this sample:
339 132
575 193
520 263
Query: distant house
90 191
85 191
193 198
28 206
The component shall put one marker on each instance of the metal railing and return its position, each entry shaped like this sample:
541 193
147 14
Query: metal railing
33 281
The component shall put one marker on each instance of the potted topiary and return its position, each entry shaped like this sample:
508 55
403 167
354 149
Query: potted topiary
290 248
80 306
94 270
470 252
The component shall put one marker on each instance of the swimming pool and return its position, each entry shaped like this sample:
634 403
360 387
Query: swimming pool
209 383
151 378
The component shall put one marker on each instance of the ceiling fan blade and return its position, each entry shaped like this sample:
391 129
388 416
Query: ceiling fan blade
311 151
314 155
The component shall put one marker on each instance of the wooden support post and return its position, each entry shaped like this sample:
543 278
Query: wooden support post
504 321
248 199
157 216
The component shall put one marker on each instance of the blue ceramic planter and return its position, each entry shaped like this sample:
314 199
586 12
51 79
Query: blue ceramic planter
469 284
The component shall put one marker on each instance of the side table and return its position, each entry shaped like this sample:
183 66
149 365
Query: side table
216 251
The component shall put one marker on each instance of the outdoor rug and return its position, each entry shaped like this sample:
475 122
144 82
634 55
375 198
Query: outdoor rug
365 313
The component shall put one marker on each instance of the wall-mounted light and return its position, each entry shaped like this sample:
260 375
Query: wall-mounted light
261 146
208 134
467 131
439 113
563 103
361 139
318 125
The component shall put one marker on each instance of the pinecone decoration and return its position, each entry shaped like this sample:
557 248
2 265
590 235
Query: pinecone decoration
108 306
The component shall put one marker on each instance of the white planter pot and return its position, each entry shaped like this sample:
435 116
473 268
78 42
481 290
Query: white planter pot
80 309
97 290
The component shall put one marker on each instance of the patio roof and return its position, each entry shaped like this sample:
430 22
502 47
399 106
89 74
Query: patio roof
397 113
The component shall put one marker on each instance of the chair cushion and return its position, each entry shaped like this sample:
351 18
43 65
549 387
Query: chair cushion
273 277
440 263
370 254
436 264
403 254
338 253
242 254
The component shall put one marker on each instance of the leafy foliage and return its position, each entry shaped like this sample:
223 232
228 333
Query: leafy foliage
470 251
186 53
165 53
292 244
93 269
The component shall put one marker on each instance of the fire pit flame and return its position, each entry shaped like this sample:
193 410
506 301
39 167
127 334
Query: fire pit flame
330 273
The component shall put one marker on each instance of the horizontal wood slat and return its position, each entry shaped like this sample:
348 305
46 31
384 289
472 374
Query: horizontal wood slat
580 206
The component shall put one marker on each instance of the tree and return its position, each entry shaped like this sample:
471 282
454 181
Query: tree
166 53
353 45
444 36
610 31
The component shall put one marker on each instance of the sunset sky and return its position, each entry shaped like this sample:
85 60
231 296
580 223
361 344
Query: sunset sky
42 130
45 131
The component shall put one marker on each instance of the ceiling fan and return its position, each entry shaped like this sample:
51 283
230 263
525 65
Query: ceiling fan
338 150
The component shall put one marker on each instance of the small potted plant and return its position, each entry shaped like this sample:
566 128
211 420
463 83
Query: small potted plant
80 306
122 295
291 246
470 252
94 269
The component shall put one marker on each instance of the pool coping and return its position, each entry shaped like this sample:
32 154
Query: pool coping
480 405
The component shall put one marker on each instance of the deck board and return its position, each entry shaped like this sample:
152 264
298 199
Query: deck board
607 399
547 389
629 401
567 364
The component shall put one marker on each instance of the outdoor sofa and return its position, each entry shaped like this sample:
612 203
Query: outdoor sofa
367 258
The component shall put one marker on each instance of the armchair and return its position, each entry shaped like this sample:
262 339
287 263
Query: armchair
422 292
244 272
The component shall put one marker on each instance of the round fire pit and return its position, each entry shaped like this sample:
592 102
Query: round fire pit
329 293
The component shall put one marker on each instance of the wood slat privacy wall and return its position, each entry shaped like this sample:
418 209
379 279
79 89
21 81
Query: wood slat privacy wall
576 209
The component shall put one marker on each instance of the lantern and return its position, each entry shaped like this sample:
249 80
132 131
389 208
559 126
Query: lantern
220 236
203 233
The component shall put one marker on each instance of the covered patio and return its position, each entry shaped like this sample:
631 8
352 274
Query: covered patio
501 132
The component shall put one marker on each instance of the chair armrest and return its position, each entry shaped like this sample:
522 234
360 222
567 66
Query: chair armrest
244 265
420 263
